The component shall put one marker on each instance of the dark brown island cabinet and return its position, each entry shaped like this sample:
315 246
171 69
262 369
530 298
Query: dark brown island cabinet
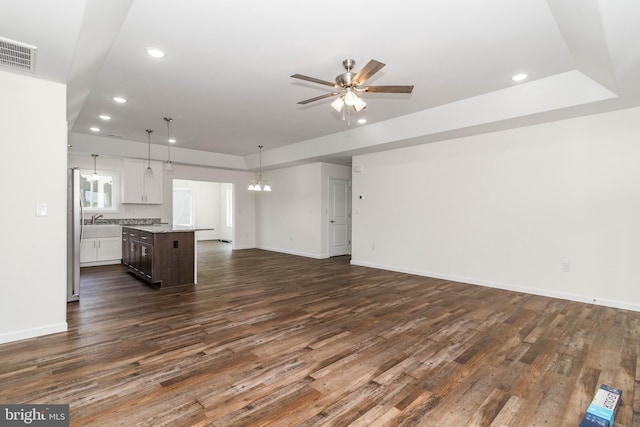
161 255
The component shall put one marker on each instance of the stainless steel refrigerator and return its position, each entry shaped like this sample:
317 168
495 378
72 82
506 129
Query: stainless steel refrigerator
75 226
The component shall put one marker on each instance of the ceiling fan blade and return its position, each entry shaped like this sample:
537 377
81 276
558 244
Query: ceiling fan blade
367 71
388 89
317 98
314 80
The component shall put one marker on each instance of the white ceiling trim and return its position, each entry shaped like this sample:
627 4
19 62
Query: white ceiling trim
557 92
81 143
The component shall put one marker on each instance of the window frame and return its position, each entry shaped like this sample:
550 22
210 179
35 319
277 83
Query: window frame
229 207
115 190
177 205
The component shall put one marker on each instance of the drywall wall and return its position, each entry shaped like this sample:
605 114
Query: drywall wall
244 207
209 205
293 217
244 204
550 209
288 218
225 227
34 279
113 165
329 171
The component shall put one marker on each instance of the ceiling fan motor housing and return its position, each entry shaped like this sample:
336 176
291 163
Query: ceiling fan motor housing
345 79
349 83
348 64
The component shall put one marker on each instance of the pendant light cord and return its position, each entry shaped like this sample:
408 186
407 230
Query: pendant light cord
149 147
169 120
149 171
260 182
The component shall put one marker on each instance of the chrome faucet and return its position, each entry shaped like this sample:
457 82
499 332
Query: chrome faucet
94 217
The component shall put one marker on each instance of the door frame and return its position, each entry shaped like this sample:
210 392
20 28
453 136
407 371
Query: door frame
329 209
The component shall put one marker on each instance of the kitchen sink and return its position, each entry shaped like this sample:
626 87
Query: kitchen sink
92 231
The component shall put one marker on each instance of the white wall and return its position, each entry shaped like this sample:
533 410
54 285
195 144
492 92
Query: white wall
34 143
288 217
244 204
508 209
112 164
329 171
292 218
244 209
224 231
208 207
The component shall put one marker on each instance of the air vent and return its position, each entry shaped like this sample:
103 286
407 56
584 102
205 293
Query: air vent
17 55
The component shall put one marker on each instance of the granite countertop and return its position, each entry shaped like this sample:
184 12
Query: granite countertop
165 228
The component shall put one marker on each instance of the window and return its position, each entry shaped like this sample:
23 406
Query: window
183 207
98 194
229 208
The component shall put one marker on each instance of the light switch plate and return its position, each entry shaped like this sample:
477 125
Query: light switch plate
41 209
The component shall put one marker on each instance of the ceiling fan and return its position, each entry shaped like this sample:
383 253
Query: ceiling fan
350 85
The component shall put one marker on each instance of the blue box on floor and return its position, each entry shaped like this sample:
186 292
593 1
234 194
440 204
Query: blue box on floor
591 420
605 404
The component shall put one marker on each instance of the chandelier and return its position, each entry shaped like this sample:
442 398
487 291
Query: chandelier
260 184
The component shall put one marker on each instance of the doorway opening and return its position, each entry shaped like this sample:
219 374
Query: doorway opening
202 204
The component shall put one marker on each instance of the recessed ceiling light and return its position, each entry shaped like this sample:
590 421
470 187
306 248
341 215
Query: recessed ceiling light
94 129
519 77
156 53
104 117
362 121
172 140
119 99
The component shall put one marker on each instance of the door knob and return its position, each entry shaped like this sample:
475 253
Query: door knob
332 221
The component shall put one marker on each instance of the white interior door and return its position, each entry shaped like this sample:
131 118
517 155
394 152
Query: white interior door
339 217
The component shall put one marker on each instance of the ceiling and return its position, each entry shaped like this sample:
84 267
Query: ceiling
226 81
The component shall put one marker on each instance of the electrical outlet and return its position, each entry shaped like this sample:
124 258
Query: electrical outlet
566 267
373 247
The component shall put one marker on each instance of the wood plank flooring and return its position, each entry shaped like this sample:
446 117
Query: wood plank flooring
279 340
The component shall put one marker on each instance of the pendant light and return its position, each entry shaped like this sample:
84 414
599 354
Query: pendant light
149 171
260 185
94 176
168 166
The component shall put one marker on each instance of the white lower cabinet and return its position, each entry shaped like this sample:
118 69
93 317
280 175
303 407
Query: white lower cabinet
106 250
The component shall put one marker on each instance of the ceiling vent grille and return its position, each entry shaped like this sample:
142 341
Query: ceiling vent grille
17 55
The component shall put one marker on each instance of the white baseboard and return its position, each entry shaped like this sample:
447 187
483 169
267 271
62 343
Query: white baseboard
289 252
32 333
507 286
98 263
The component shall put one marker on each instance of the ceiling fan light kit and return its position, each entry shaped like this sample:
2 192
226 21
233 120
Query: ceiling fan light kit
350 85
337 104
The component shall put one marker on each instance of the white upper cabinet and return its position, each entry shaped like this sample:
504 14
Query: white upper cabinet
137 186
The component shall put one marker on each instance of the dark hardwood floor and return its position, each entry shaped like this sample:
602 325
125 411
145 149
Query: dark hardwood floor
273 339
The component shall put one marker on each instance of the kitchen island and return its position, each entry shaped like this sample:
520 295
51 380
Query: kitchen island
162 255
